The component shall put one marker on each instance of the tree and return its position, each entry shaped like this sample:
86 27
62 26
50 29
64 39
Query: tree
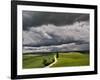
57 55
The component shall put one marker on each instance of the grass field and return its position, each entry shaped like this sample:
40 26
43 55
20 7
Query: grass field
37 61
63 60
72 59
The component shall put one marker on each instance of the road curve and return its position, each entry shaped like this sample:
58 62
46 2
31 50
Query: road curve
55 60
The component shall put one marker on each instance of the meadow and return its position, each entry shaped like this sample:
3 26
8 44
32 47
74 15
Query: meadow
37 61
72 59
63 59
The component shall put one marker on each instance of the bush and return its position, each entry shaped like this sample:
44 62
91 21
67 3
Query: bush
46 62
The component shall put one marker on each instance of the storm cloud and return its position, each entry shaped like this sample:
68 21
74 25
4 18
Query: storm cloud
46 31
36 18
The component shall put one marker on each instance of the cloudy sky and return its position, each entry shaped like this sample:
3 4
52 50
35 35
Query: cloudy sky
51 31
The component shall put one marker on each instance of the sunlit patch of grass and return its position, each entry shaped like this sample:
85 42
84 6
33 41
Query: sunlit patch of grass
37 61
72 59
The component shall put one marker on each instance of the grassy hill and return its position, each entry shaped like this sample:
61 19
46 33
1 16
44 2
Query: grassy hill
37 61
72 59
63 59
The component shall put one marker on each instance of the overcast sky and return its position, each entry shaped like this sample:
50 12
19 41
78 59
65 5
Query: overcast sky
34 18
67 30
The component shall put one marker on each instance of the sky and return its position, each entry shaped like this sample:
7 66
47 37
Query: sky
53 31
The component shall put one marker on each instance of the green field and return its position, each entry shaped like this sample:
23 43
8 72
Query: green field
37 61
63 60
72 59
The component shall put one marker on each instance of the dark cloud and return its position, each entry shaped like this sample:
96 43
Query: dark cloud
55 48
83 18
51 31
36 18
47 35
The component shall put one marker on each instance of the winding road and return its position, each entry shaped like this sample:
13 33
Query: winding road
55 60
